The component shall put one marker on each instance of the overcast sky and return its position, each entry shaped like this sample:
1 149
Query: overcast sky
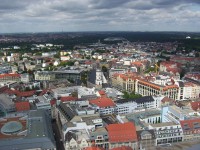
99 15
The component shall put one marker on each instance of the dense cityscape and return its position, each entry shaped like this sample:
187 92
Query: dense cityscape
99 75
111 94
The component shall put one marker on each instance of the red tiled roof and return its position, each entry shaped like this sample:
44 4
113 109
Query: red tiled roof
88 62
123 148
19 93
26 93
156 86
102 93
195 105
170 64
3 89
174 70
175 58
22 106
68 98
166 99
9 91
127 76
94 148
102 102
195 76
9 75
189 125
53 102
43 92
137 63
125 132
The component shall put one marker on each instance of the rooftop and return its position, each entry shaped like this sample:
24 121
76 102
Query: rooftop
123 148
102 102
125 132
9 126
137 100
22 106
12 127
6 102
190 125
163 124
9 75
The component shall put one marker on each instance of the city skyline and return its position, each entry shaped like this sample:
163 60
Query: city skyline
104 15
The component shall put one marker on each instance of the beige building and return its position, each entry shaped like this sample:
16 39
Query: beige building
146 139
44 76
146 88
132 82
125 82
188 90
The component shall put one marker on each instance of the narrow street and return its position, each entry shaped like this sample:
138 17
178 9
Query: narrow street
59 144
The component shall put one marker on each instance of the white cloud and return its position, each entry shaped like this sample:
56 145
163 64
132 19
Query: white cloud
75 15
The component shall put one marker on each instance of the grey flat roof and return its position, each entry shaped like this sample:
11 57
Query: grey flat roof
92 76
137 100
26 143
5 101
39 134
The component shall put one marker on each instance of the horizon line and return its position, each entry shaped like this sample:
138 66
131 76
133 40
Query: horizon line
91 31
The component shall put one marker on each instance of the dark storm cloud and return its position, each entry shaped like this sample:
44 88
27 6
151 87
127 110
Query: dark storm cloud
106 4
13 4
99 14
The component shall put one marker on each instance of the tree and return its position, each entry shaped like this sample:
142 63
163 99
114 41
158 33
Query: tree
92 53
1 54
57 56
74 94
84 77
15 64
131 95
70 63
104 69
5 59
87 57
167 58
27 89
32 63
182 74
197 54
126 95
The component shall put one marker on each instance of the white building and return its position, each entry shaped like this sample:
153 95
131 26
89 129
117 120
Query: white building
49 45
48 54
124 106
167 132
96 79
100 78
44 103
113 71
84 91
63 92
25 78
64 58
188 90
175 114
162 80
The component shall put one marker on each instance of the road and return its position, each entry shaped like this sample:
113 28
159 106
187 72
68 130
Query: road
59 144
